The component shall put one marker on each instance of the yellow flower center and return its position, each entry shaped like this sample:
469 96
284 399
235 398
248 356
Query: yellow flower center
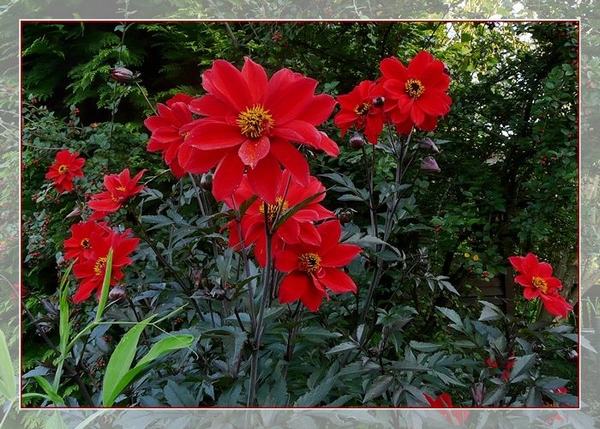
274 210
99 266
414 88
120 188
309 262
85 243
63 169
362 109
540 284
255 121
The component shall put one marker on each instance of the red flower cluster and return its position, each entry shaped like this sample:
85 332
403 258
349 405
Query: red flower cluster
405 96
67 166
119 188
444 400
89 244
246 127
538 282
247 124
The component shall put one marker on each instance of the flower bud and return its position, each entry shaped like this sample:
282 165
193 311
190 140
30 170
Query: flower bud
357 141
478 392
378 101
206 181
428 144
122 75
345 215
430 165
117 293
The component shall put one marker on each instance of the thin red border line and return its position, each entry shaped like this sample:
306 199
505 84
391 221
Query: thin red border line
241 408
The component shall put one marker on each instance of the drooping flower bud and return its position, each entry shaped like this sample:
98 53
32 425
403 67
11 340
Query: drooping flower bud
428 144
357 141
478 392
122 74
378 101
117 293
206 181
430 165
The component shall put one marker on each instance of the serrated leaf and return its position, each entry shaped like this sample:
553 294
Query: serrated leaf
425 347
378 387
348 345
522 364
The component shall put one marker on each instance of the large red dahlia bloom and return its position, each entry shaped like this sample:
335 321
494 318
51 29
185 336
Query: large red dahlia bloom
249 122
78 245
312 270
67 166
538 282
169 130
90 270
299 226
419 91
363 109
119 188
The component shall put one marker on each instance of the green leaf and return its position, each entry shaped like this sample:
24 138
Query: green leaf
348 345
52 394
378 388
453 316
105 286
315 396
120 362
8 387
425 347
166 345
522 364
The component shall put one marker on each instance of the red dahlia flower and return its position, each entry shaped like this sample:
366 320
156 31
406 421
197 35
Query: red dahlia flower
362 109
90 270
298 226
119 188
169 130
444 400
249 121
419 91
311 269
67 165
79 244
536 277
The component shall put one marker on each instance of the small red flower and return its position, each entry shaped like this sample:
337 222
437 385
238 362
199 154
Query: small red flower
536 277
67 166
311 270
248 123
90 270
298 226
510 363
169 130
419 91
490 362
119 188
444 400
362 109
79 244
561 390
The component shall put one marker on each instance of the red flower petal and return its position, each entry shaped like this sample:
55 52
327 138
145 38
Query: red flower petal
264 179
338 281
291 159
228 176
293 286
286 261
257 80
340 255
252 151
210 135
227 82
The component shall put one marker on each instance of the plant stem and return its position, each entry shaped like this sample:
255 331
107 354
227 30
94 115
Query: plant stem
264 299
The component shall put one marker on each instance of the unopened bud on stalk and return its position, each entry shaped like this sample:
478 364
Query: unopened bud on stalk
378 101
117 293
478 392
430 165
428 144
345 215
122 74
206 181
357 141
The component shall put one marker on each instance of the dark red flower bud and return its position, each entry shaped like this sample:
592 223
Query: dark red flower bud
121 74
478 392
206 181
117 293
345 215
357 141
428 144
378 101
430 165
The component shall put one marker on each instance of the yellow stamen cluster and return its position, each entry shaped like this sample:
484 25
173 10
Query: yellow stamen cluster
85 243
99 266
414 88
362 109
540 284
255 121
63 169
274 210
309 262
